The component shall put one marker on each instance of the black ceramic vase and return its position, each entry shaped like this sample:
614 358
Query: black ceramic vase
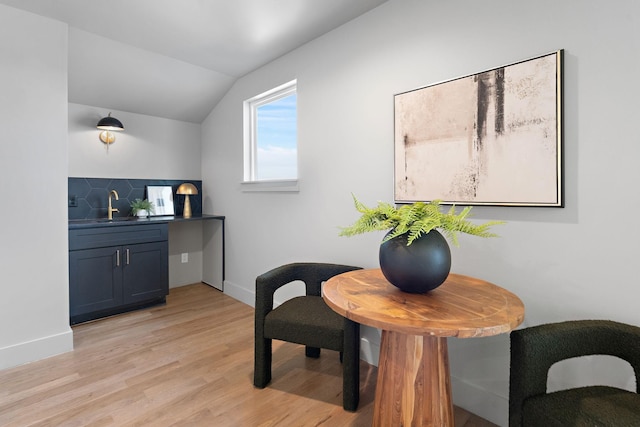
418 268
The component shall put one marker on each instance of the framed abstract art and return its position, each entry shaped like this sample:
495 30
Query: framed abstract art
491 138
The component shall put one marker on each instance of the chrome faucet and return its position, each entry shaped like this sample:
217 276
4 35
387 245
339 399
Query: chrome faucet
112 210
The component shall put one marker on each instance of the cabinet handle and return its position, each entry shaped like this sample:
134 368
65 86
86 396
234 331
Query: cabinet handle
127 256
117 257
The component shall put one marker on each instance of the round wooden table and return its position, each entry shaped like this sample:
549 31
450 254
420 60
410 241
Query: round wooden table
414 385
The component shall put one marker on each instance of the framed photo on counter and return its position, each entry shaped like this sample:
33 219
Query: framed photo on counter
162 198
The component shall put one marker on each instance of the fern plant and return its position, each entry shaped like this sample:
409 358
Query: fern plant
141 205
416 219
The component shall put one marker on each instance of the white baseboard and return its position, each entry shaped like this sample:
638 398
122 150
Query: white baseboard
481 402
369 351
217 286
239 293
40 348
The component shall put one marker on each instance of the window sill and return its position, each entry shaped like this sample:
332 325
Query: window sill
277 186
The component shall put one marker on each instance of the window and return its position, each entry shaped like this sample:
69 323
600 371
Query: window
271 137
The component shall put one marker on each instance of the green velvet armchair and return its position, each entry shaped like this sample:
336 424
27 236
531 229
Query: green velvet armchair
535 349
305 320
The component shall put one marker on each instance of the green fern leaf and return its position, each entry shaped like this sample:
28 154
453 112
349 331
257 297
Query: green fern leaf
415 220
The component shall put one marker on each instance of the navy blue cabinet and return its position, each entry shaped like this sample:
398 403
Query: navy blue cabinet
95 281
113 269
145 272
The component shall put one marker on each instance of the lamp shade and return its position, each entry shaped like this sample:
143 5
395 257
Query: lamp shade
187 188
110 123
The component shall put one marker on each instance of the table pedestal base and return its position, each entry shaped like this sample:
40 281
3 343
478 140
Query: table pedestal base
414 387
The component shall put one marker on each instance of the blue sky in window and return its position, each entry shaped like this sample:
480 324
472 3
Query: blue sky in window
277 139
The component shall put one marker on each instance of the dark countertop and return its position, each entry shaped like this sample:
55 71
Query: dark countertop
131 220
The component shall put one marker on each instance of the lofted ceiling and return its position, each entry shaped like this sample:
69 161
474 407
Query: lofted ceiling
177 58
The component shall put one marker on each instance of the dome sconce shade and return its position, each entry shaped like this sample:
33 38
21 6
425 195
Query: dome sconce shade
108 124
187 189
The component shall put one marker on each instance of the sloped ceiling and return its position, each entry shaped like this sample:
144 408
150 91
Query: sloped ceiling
177 58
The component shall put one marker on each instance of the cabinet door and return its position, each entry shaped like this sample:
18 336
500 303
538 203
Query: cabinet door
95 280
145 271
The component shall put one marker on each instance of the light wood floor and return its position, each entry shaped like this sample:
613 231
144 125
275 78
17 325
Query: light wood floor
188 363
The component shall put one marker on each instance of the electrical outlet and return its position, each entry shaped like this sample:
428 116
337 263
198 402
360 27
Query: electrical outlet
185 257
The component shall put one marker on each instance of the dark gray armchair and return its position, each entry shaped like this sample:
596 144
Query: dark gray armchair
535 349
305 320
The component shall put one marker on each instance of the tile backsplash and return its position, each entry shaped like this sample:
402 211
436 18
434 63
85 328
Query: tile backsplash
88 198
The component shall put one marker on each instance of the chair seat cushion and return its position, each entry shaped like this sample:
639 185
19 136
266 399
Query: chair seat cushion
586 406
306 320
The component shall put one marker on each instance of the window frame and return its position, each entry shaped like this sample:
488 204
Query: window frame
250 107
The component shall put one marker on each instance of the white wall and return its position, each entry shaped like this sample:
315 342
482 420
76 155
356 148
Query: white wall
34 302
149 147
571 263
185 237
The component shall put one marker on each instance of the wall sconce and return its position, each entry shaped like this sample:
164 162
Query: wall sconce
187 189
107 124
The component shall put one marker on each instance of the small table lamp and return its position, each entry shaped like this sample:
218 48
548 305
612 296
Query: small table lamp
186 189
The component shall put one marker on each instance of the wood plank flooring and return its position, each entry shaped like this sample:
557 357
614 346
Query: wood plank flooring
187 363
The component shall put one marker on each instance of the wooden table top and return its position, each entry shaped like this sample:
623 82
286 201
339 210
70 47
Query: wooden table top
461 307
